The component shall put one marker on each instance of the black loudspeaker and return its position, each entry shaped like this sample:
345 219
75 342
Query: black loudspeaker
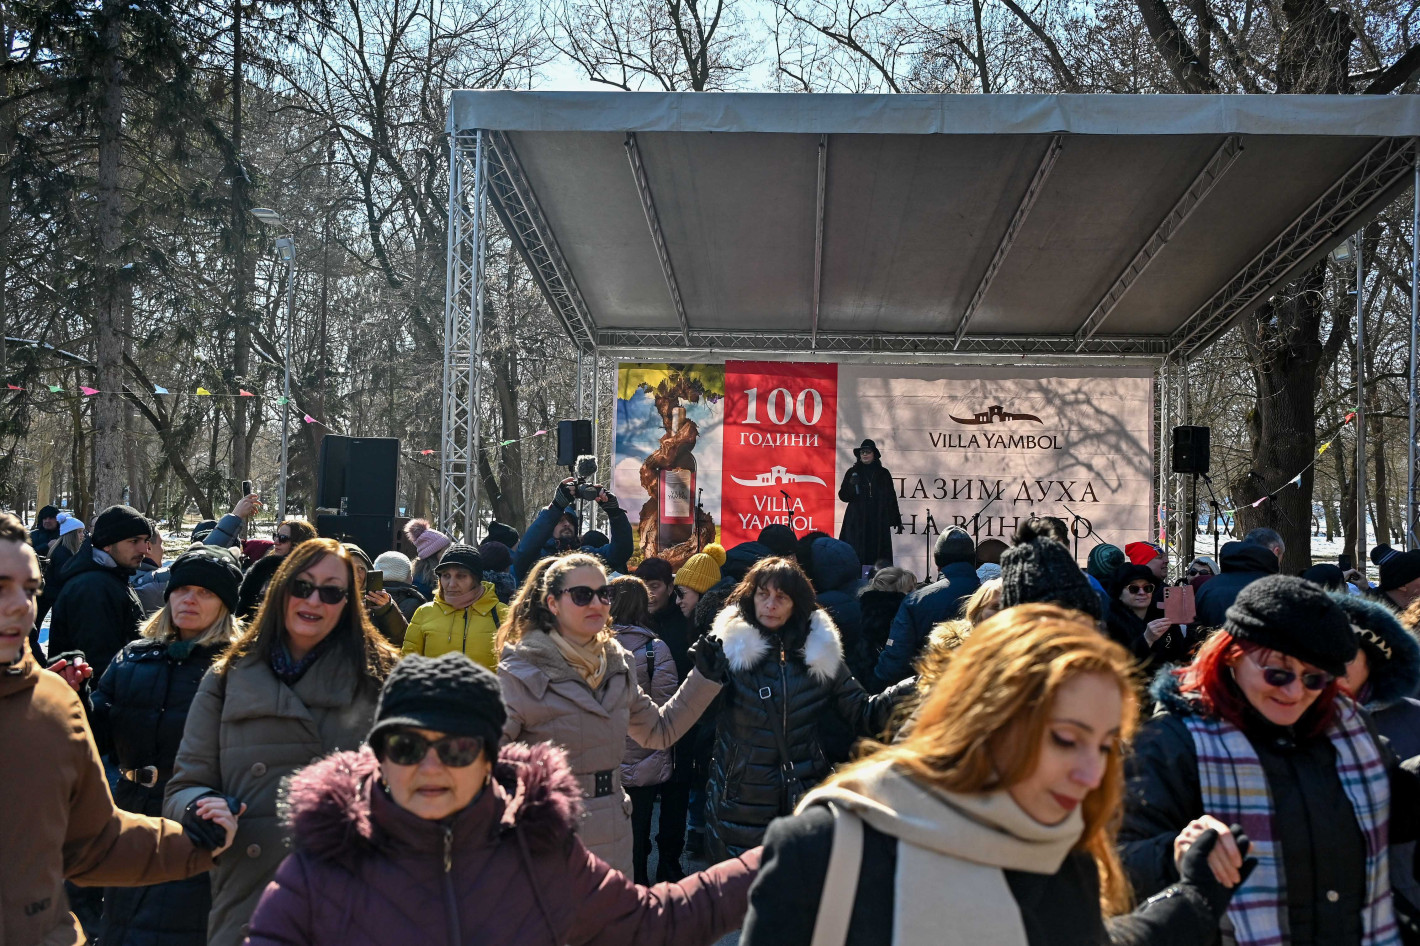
574 439
1191 450
374 534
358 475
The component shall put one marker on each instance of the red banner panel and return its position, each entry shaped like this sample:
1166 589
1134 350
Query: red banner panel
781 420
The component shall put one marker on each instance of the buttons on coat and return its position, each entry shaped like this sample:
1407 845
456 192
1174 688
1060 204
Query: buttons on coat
258 769
253 851
1332 896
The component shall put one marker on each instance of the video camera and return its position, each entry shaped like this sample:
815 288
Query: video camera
586 472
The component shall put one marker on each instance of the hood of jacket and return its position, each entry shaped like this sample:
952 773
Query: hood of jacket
878 602
740 559
83 561
745 645
633 637
331 814
483 605
835 565
1390 680
1248 557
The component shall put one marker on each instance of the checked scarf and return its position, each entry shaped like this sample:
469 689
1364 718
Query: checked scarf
1234 788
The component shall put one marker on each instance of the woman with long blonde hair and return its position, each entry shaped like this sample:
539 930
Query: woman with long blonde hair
993 822
566 680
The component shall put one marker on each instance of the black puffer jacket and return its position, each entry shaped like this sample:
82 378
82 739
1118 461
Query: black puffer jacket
97 612
776 683
1060 909
1243 563
139 708
1323 851
879 608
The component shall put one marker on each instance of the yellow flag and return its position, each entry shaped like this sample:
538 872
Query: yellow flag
1323 448
202 391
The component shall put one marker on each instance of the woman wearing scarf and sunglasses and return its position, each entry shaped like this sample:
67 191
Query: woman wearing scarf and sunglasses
434 833
1258 731
567 681
301 681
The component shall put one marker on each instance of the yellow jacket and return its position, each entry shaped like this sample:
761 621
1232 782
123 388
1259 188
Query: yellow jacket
438 628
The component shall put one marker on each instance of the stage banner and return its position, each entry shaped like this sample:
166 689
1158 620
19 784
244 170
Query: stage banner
984 448
780 460
716 452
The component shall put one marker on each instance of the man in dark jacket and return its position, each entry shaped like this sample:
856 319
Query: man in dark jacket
1243 563
872 511
556 530
98 612
955 555
47 530
1400 577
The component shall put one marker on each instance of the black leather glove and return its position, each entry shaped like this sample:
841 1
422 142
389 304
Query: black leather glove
608 502
709 656
204 834
1194 869
564 496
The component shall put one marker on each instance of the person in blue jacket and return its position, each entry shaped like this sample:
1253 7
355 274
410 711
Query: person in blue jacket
955 555
556 529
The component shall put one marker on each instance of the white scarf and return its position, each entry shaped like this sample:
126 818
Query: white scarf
950 888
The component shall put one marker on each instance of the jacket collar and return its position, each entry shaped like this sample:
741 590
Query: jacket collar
746 645
536 661
485 603
253 690
23 674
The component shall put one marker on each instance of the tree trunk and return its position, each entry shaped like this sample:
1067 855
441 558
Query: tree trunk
112 277
1347 483
241 357
7 150
1380 490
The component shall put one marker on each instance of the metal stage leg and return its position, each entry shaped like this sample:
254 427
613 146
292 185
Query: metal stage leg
1362 545
1411 539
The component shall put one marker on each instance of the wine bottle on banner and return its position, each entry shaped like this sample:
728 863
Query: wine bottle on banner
677 493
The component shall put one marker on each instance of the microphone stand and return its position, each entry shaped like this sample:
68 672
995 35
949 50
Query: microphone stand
1217 513
927 554
699 511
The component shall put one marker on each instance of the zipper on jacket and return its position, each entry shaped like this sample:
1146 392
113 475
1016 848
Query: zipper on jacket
784 707
451 902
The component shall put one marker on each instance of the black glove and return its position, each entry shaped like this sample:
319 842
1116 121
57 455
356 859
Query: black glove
1194 868
207 835
709 656
564 496
608 502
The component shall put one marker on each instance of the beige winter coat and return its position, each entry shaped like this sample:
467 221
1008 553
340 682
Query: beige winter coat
245 733
549 702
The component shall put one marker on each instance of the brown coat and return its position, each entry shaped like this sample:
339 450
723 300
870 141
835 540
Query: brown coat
246 732
58 820
549 702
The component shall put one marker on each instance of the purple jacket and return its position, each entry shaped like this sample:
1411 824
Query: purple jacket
507 870
657 678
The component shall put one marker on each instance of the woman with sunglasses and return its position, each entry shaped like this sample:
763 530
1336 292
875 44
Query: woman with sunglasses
433 833
1137 626
289 534
301 681
566 680
1258 731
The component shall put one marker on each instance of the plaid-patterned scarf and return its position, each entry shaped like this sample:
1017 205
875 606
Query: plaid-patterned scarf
1234 788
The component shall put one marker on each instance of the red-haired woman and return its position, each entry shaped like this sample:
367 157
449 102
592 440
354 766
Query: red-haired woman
1257 731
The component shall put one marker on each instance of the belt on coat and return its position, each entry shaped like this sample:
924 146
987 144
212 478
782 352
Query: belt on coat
599 784
148 776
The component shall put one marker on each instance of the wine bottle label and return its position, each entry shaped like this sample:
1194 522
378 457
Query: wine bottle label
677 490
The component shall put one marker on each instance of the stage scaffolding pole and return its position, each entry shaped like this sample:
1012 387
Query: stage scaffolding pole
1411 539
1361 544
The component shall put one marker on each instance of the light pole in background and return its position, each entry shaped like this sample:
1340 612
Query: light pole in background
286 251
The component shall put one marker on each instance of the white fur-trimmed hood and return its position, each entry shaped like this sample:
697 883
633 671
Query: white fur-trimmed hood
745 645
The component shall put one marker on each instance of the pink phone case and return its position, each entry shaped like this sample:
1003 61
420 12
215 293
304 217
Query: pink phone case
1179 607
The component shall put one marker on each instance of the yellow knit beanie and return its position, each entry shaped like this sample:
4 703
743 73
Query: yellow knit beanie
701 572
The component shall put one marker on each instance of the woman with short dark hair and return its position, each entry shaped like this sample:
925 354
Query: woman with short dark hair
786 669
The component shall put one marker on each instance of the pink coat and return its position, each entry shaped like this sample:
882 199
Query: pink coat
508 870
656 676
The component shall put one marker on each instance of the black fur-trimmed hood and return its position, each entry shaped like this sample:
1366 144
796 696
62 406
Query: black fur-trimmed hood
1391 650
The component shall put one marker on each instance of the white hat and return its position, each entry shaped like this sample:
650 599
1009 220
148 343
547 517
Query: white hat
72 524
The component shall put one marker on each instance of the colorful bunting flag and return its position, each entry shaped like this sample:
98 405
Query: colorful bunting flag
56 389
242 392
1349 417
159 389
88 390
203 392
426 453
14 387
1259 502
283 401
310 420
1324 447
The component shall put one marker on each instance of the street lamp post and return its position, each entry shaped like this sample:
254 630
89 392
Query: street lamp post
286 251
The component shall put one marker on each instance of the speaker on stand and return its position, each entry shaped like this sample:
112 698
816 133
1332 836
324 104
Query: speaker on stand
1191 457
357 486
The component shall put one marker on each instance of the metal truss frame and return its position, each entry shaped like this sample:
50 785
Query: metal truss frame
653 223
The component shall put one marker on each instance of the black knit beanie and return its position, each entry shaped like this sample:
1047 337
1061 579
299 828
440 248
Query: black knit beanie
779 538
501 532
210 567
1296 618
1042 571
464 556
449 694
117 523
1397 567
953 546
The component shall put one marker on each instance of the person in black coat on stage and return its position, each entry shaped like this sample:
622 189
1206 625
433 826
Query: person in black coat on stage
1258 726
992 823
139 708
786 672
872 512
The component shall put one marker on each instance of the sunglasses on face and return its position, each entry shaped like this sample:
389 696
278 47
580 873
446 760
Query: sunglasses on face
582 595
1195 572
1140 589
410 748
329 594
278 538
1275 676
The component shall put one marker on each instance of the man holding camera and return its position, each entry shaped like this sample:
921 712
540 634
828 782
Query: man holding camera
558 529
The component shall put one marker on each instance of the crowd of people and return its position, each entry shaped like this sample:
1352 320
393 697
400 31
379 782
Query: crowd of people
289 741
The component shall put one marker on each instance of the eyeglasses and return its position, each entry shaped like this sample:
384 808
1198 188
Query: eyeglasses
410 748
1195 572
329 594
1277 677
582 595
1140 589
281 538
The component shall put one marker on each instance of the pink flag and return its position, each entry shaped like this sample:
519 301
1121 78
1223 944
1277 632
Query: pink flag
425 453
310 420
242 392
14 387
88 390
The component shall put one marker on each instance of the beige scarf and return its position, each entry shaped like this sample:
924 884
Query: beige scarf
589 660
953 849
